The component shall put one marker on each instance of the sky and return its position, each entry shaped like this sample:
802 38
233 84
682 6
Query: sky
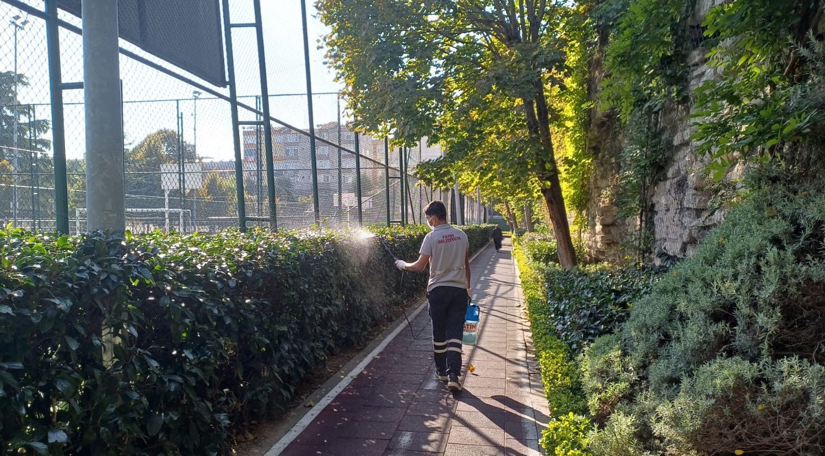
212 133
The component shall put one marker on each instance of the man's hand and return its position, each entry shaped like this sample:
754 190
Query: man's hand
400 264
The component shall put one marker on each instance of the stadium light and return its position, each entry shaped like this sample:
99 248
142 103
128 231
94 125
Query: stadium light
17 26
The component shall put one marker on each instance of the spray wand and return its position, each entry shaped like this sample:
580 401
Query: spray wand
400 282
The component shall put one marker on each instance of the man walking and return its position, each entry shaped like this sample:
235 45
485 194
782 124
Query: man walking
447 250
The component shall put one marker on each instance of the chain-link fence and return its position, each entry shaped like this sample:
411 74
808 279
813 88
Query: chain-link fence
179 157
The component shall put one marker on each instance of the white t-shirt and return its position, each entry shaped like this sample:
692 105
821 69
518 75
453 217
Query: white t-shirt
447 248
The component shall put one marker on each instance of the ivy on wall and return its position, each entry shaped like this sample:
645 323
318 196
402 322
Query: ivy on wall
765 103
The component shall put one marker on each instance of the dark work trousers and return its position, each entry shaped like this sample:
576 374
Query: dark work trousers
447 306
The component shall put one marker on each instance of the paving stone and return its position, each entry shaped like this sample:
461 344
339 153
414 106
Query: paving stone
371 414
479 404
366 430
521 429
425 423
389 400
441 395
476 435
522 447
338 447
473 450
477 381
429 408
419 441
479 419
485 392
391 452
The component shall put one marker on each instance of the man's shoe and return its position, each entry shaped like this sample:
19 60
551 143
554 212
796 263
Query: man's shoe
441 376
453 384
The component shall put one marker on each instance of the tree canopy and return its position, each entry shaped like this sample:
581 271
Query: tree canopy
475 76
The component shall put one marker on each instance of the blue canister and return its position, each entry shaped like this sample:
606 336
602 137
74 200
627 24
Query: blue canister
470 324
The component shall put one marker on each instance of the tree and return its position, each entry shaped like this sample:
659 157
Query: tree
23 161
432 69
26 124
143 163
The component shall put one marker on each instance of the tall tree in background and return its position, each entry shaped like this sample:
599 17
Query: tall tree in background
11 107
416 69
143 163
35 168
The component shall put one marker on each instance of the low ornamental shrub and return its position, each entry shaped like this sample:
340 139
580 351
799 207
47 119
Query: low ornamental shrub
169 344
540 248
725 354
591 300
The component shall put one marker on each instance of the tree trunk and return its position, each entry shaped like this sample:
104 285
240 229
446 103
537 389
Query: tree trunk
538 122
461 207
511 217
528 218
452 212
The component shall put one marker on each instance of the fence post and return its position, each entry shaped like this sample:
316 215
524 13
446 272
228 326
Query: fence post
233 100
270 162
387 176
358 179
315 203
61 190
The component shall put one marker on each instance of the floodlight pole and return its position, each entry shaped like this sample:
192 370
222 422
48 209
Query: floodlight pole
105 198
195 95
17 26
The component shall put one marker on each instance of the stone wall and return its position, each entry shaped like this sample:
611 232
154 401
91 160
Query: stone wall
679 202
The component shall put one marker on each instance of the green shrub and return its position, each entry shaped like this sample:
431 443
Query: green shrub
170 344
567 435
540 248
589 301
558 371
729 398
606 377
617 438
736 327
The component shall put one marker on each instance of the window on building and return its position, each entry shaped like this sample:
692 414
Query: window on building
349 136
292 138
323 150
291 151
326 178
349 179
323 164
279 138
348 163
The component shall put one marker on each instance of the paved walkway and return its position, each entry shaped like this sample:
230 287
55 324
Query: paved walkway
396 406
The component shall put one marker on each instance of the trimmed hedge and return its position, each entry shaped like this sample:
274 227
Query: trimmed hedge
567 430
568 309
169 344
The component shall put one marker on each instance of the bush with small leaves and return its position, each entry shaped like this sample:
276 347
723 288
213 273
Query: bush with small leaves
726 349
